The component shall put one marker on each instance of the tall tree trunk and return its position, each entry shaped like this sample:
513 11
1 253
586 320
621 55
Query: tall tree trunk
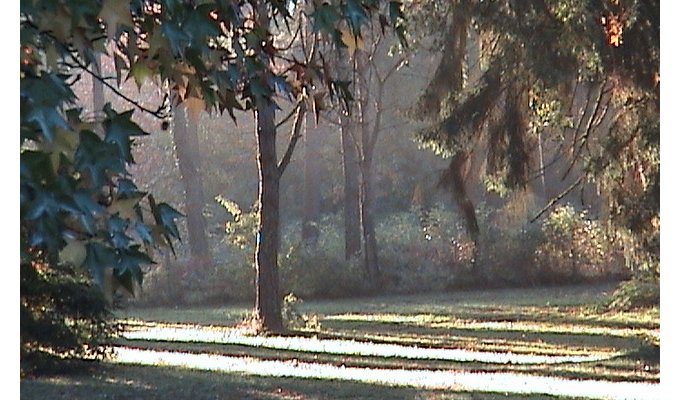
370 248
350 165
311 207
369 135
189 162
267 296
98 99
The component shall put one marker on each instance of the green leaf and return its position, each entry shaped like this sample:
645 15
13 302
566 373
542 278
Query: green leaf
325 18
97 260
119 129
177 38
48 119
199 26
115 13
127 189
126 208
144 232
356 16
95 157
166 218
35 167
73 253
88 210
140 72
117 228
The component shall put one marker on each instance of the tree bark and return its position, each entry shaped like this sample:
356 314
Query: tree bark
98 99
267 296
188 159
370 250
351 205
311 207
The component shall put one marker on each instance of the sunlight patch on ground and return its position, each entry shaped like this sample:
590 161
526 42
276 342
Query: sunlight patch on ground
418 319
435 321
349 347
533 327
453 380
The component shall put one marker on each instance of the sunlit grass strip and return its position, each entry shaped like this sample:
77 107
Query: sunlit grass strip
439 322
496 345
452 380
616 369
349 347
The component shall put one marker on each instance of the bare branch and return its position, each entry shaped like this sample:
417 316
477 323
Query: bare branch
160 113
294 135
558 198
588 131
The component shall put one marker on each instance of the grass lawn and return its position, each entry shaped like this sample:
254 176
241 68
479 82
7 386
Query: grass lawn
557 321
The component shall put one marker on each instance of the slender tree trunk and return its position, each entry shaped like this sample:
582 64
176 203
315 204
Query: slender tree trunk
370 250
351 171
473 59
369 135
98 99
189 162
267 296
312 188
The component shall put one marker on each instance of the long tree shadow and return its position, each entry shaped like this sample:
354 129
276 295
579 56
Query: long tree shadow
617 369
158 382
493 336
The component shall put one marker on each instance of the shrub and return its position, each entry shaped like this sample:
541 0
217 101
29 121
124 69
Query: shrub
422 251
63 317
506 255
641 291
294 318
577 248
320 270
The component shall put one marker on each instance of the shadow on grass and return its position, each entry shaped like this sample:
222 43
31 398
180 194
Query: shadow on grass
137 382
487 338
617 369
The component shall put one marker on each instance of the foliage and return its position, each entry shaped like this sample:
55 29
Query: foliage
242 230
78 203
323 270
577 247
533 56
79 207
424 251
63 316
641 291
506 257
294 318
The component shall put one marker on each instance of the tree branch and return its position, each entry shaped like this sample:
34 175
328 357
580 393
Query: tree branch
294 135
558 198
160 113
589 128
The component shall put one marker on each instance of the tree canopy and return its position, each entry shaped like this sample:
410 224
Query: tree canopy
534 55
78 203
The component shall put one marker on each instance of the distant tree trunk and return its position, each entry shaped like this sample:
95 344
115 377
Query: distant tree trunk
189 162
370 248
311 208
473 58
98 99
369 136
351 205
267 296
